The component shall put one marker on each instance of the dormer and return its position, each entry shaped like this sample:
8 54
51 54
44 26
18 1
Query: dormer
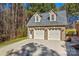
52 15
37 17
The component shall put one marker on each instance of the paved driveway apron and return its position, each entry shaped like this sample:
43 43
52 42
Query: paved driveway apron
55 45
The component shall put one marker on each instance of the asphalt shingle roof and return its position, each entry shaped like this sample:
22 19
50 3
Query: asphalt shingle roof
61 19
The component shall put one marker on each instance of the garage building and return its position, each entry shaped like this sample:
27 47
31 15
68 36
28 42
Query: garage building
47 26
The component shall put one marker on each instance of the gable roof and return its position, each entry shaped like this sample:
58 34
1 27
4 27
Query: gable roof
61 19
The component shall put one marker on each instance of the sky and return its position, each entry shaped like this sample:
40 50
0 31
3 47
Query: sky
58 5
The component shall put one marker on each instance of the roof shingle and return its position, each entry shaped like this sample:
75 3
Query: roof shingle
61 19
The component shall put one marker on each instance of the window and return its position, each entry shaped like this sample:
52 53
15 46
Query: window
37 18
52 17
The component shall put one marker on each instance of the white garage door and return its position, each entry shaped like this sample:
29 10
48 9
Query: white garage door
38 34
53 34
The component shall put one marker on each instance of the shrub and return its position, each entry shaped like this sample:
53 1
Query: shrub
71 32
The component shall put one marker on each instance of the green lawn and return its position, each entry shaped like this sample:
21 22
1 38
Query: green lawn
11 41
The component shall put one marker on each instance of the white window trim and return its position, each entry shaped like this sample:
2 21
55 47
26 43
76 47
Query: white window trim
39 18
51 16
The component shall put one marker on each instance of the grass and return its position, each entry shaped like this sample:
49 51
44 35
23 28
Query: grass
11 41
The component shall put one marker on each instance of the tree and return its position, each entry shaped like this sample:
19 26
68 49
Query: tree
12 21
72 9
40 7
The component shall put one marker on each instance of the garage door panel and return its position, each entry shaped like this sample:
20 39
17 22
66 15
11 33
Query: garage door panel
53 34
38 34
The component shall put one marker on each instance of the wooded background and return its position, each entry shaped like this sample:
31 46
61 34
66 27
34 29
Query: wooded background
13 19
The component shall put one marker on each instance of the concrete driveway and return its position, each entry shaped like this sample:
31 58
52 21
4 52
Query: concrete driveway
56 45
